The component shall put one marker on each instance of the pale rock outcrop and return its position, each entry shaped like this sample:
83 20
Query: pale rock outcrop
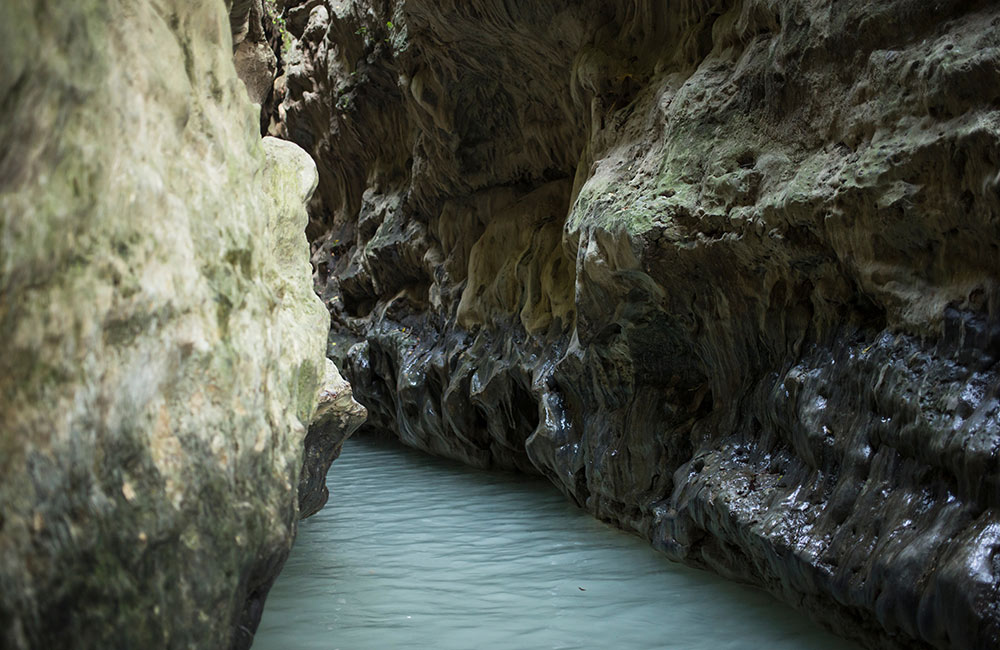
725 271
161 348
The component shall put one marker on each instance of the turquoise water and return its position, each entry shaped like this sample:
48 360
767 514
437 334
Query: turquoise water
417 552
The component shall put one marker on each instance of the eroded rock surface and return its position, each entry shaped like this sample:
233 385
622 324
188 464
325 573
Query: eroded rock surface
162 348
336 418
256 63
724 271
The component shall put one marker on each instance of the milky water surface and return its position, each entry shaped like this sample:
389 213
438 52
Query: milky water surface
418 552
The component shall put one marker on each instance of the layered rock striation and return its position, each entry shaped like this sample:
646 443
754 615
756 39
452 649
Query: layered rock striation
161 347
724 271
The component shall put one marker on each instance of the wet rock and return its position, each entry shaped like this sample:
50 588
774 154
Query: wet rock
725 272
336 418
162 345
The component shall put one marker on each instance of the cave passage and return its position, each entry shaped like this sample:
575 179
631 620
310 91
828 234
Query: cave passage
417 552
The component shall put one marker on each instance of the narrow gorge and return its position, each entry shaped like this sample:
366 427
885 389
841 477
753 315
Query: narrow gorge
724 272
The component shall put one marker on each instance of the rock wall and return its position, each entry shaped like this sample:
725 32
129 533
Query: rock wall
337 417
725 271
161 348
256 63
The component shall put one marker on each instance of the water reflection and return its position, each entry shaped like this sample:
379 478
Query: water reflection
417 552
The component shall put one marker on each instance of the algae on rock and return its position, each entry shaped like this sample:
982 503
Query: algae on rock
162 348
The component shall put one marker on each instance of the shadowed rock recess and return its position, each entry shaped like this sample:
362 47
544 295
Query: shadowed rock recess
161 347
724 271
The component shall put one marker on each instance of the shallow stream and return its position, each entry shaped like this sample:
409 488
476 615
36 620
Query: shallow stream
421 553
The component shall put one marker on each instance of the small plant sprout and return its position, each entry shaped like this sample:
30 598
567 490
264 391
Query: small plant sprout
278 20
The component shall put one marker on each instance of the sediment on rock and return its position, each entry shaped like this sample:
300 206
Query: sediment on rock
725 272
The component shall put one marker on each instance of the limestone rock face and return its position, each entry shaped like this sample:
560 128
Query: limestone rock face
724 271
161 348
255 61
336 418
